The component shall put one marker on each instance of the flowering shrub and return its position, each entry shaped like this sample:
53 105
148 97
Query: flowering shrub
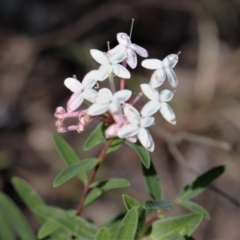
123 120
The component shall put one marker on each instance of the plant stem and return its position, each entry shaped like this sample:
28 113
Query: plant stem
111 83
92 176
122 81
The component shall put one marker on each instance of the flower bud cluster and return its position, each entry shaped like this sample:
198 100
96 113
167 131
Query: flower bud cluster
118 108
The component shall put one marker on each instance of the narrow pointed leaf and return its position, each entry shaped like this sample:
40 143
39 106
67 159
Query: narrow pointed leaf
102 234
200 183
75 169
68 154
96 137
159 205
152 182
115 145
128 226
5 230
18 221
194 207
95 194
47 228
142 152
111 184
130 202
76 225
175 226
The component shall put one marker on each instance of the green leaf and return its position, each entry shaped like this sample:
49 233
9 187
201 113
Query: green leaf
115 145
152 182
102 234
159 205
199 184
93 196
68 154
5 231
128 226
194 207
18 221
142 152
96 137
47 228
75 169
174 226
111 184
72 223
130 202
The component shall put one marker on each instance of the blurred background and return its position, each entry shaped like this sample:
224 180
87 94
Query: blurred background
43 42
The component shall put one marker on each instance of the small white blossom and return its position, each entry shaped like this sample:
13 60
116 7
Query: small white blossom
104 100
158 102
164 68
79 88
110 63
137 127
130 48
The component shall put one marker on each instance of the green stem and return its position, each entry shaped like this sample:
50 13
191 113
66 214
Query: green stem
92 176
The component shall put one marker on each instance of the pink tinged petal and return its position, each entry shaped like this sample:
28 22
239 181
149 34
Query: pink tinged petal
150 108
139 50
97 109
149 91
117 56
99 56
74 102
131 59
145 139
147 121
170 61
90 79
129 130
73 84
132 139
117 113
104 71
165 95
168 113
131 114
111 131
90 94
152 64
172 77
123 94
121 71
123 39
157 78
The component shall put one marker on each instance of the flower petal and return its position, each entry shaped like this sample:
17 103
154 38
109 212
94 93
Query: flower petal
157 78
117 56
97 109
165 95
74 102
152 64
168 113
123 39
145 139
104 96
172 77
90 94
99 56
124 94
128 130
131 59
73 84
121 71
131 114
150 108
170 61
104 71
139 50
147 121
149 91
90 79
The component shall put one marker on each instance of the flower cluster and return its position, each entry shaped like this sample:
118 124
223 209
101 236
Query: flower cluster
118 108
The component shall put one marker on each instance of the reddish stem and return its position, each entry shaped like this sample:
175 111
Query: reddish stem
122 81
92 176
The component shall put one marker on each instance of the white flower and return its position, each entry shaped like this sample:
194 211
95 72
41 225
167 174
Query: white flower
137 127
158 101
125 44
79 88
104 100
164 68
110 64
